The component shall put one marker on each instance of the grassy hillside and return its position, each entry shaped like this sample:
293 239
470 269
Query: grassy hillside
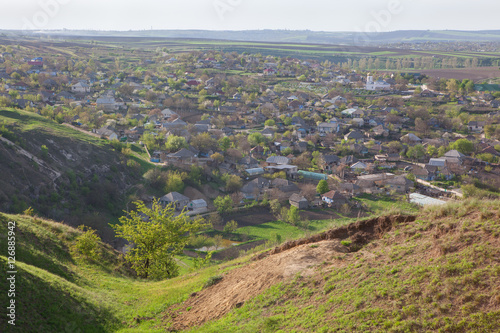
59 291
59 170
440 272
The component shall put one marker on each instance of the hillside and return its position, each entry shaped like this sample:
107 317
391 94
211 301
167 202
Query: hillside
438 271
287 36
61 172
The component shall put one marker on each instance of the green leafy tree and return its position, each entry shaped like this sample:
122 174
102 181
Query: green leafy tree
87 244
224 143
175 143
293 216
322 187
155 240
233 183
231 226
223 204
256 138
416 152
175 181
217 157
463 145
269 122
431 150
204 142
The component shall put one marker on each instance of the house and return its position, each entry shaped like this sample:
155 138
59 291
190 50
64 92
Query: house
168 114
427 93
198 205
475 126
400 184
65 95
358 122
252 189
334 199
348 160
329 161
438 162
268 133
328 128
249 162
23 103
376 85
359 166
177 123
107 133
277 160
338 100
183 155
80 87
176 199
353 113
350 189
298 201
411 138
106 104
354 135
284 185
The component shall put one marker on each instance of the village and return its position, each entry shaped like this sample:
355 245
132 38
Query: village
308 133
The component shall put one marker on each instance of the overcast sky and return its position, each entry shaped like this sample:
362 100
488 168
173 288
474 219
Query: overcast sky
318 15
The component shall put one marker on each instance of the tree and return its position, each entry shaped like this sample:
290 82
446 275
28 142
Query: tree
156 236
275 207
256 138
463 145
231 226
204 142
224 143
217 157
175 181
452 85
233 183
223 204
416 152
175 143
269 123
431 150
293 216
87 244
322 187
421 126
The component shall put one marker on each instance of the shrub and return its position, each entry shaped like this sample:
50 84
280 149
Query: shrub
87 244
231 226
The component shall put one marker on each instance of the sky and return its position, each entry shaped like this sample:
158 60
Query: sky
316 15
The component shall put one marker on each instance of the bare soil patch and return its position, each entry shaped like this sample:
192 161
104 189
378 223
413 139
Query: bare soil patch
476 74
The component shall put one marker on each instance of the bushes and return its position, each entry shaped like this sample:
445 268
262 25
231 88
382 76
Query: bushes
87 244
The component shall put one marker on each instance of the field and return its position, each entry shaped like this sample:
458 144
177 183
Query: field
478 74
131 49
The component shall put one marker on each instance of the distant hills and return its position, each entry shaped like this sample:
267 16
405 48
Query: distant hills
293 36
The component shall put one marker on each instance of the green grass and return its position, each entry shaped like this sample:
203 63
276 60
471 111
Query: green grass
60 292
379 205
29 122
408 280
